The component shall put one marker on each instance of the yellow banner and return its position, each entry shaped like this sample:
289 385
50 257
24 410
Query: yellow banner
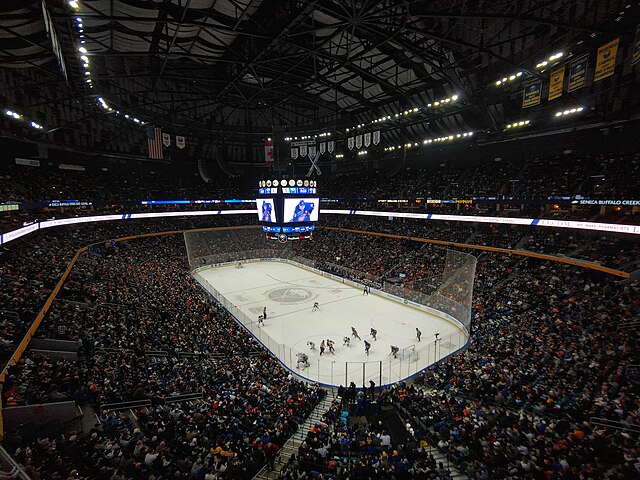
555 83
606 60
532 94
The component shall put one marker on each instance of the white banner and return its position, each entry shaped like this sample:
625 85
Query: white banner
27 162
180 142
330 146
312 151
323 147
69 166
303 150
350 143
166 139
376 137
358 141
294 153
367 139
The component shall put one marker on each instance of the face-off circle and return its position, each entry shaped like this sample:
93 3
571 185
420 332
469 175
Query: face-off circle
292 295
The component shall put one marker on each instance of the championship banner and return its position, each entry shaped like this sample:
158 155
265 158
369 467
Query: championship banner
578 74
635 56
330 146
166 139
294 153
358 141
323 147
555 83
606 60
376 137
180 142
312 151
303 151
350 143
532 94
367 139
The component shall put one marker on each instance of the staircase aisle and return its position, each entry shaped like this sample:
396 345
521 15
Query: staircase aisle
291 445
433 450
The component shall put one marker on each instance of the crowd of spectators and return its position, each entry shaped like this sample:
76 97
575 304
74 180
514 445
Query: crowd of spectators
552 176
147 331
26 284
609 250
114 184
116 189
30 267
337 448
246 403
549 353
546 356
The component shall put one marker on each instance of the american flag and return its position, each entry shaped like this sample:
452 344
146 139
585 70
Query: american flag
154 142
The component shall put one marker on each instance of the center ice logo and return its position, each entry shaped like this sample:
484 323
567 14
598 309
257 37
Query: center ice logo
291 295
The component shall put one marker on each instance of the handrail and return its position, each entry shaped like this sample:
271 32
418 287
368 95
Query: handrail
126 405
21 474
184 397
9 313
202 354
156 353
614 424
629 324
118 406
113 350
631 368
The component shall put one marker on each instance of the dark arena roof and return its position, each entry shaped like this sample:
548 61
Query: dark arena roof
319 240
233 73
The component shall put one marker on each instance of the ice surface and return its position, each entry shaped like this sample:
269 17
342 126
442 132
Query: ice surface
288 292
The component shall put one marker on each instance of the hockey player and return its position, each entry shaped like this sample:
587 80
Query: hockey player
264 312
330 344
303 359
374 334
354 333
261 320
367 346
394 351
315 307
346 341
418 333
311 345
322 347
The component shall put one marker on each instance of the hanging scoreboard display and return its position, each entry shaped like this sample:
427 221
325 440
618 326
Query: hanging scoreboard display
288 208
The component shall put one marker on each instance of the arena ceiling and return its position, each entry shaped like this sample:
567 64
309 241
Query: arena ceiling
252 66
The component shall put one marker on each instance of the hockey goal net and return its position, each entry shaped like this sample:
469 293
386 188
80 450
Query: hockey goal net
409 353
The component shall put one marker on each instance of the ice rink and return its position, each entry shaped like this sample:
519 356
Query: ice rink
289 291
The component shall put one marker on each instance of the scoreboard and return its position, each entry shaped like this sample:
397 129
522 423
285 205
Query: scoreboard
288 209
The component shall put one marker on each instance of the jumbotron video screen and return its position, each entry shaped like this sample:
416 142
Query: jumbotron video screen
288 209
